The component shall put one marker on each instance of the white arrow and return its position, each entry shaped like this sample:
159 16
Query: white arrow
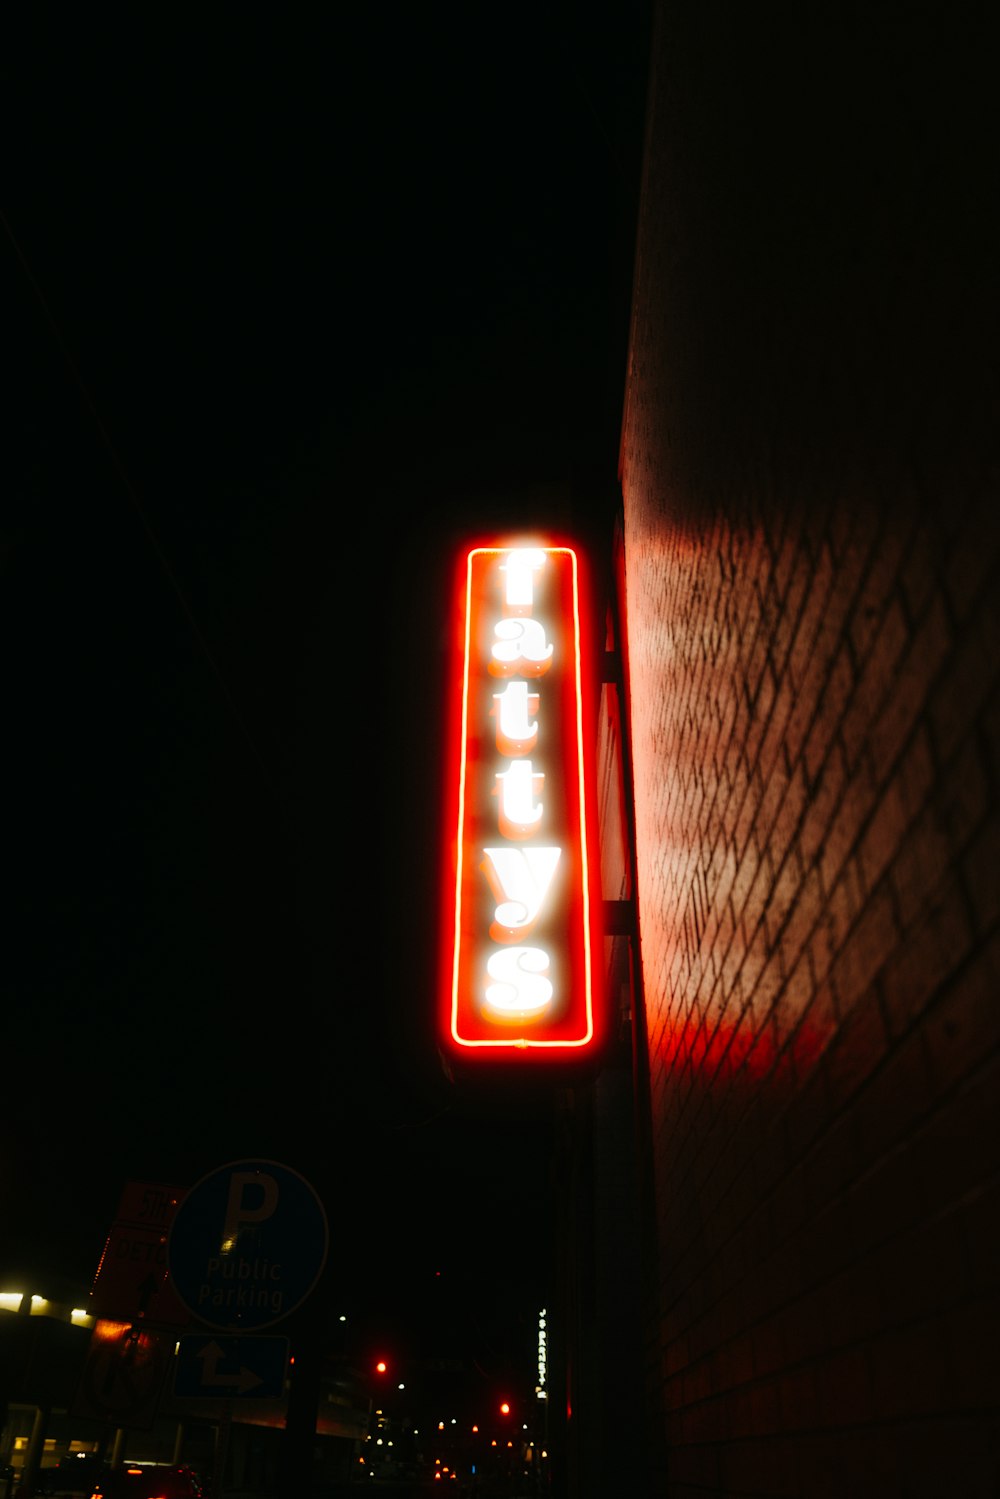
211 1357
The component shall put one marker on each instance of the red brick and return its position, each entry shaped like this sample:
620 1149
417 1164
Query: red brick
799 1399
835 694
927 1457
836 917
979 1214
893 1105
963 1027
875 682
873 599
746 874
973 569
804 655
816 1031
746 813
794 998
802 711
989 728
772 758
846 826
862 1461
693 1470
886 1200
917 1274
844 1387
915 773
961 692
941 1364
789 558
756 948
793 594
922 869
854 527
781 809
783 894
959 1147
752 667
896 720
865 951
802 1328
758 1466
965 796
858 1049
979 868
827 792
919 575
855 1298
802 919
880 842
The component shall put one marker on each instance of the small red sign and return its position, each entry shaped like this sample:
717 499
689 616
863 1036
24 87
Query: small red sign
132 1282
523 975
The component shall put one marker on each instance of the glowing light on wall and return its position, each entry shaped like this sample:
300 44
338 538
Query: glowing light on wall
522 974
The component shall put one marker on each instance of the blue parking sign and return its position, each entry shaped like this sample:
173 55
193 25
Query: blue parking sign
247 1245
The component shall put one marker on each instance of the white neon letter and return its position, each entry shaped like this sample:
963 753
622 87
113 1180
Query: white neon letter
515 708
517 787
520 567
519 992
520 647
520 880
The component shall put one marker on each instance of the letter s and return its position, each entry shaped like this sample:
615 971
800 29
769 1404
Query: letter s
519 991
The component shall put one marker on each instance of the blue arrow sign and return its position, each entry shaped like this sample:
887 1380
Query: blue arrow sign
247 1245
225 1367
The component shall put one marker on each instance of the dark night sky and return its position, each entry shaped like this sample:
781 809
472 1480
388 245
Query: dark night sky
288 305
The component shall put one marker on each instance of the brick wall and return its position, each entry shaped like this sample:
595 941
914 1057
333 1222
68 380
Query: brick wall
812 555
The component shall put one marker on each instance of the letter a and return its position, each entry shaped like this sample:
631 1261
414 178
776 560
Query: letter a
520 647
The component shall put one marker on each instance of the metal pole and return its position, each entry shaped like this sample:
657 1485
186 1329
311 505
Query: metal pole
221 1449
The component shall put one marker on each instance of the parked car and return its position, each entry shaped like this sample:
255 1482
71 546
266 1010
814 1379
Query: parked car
148 1481
74 1474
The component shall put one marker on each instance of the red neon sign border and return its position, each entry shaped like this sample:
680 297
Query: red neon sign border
580 1030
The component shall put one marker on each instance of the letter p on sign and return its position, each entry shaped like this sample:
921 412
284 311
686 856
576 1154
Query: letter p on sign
253 1197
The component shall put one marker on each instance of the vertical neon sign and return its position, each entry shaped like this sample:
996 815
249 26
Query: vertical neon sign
522 978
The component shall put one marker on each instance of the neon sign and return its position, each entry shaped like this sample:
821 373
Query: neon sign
541 1388
522 976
